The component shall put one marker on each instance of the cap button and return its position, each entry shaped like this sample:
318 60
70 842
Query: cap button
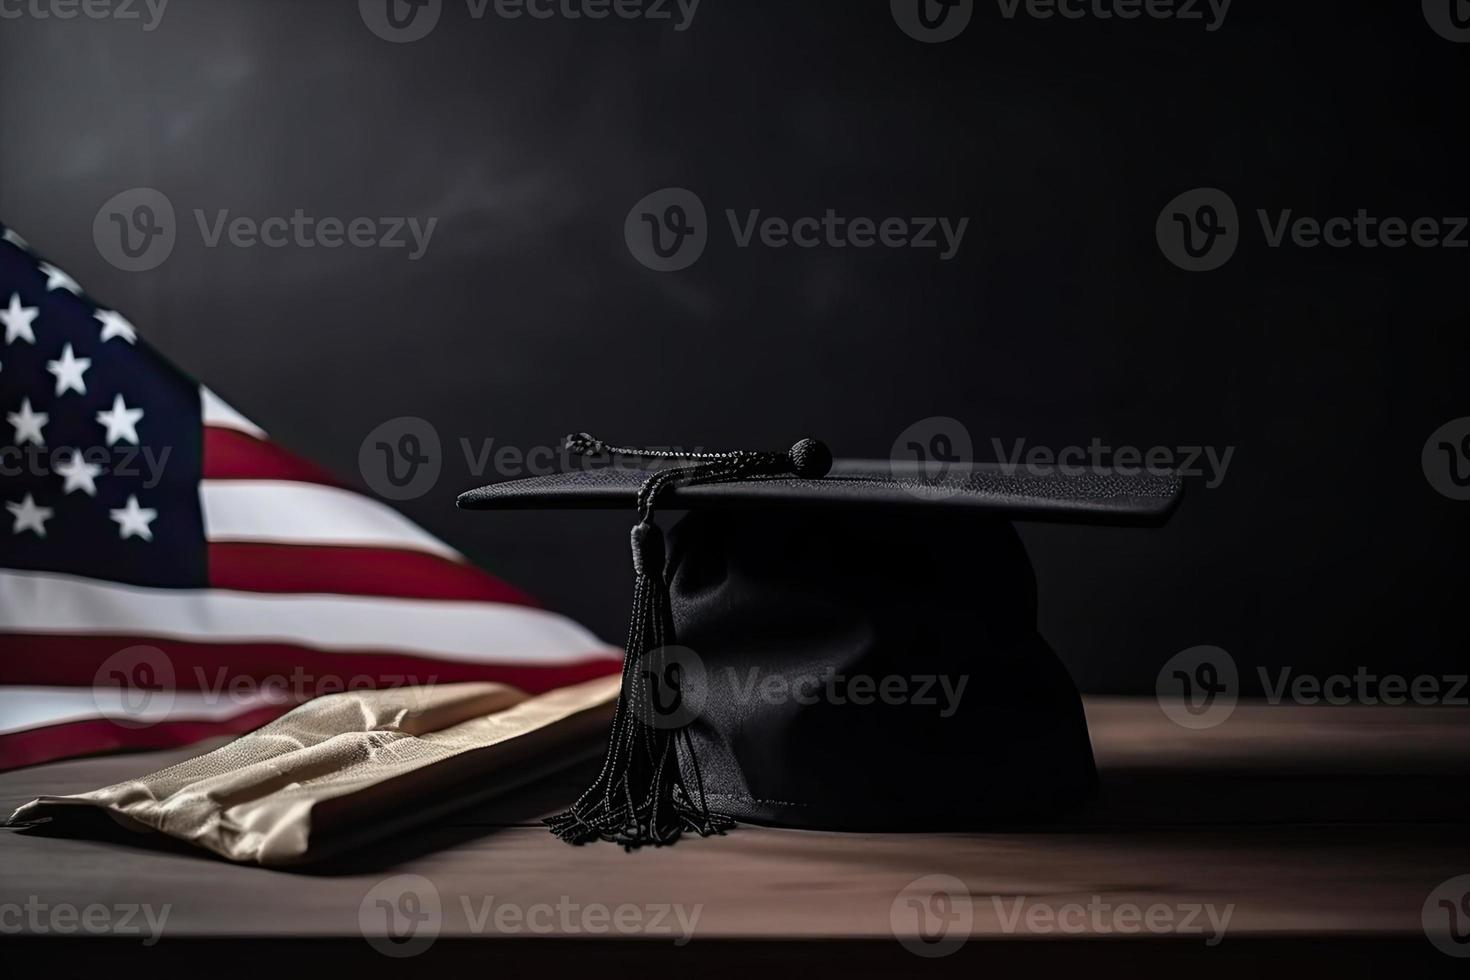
810 459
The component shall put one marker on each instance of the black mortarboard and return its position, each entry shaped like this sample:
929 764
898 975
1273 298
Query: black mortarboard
845 644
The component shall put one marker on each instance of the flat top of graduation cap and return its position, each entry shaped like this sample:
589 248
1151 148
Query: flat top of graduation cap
792 566
1100 496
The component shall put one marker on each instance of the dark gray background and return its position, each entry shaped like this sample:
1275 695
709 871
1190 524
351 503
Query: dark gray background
1060 321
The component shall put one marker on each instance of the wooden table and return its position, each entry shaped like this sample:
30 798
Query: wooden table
1322 831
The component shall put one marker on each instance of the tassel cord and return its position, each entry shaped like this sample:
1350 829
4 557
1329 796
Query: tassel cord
640 796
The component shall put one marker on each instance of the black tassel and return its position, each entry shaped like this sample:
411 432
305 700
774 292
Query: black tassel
641 796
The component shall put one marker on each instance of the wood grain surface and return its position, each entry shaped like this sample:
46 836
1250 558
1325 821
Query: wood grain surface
1320 830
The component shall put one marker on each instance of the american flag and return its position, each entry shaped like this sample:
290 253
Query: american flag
167 573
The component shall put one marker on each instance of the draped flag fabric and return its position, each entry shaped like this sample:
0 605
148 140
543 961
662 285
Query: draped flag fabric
168 573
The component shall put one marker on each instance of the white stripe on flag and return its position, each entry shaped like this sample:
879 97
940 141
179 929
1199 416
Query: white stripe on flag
285 512
215 412
24 708
472 632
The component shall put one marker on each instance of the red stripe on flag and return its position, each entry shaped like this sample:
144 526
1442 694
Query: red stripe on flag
230 454
47 659
37 745
351 570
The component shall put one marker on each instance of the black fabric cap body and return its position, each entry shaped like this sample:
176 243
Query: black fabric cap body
872 673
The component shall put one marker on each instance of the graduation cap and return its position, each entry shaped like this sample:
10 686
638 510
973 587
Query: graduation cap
836 644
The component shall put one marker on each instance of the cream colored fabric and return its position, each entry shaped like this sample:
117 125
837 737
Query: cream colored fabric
345 768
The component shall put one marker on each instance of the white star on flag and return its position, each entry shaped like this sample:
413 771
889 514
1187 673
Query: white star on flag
121 422
133 521
29 517
27 424
114 324
69 371
78 473
18 319
56 279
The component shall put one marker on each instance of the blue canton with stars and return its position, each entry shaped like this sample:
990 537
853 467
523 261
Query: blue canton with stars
100 438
